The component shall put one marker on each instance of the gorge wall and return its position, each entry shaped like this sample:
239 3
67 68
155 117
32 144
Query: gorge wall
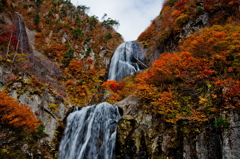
142 135
152 125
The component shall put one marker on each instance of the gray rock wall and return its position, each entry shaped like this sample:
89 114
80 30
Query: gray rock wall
144 136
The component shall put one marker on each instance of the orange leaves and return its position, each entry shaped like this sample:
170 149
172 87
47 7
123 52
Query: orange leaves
76 65
206 73
162 84
165 103
83 82
218 46
211 41
220 35
107 84
15 114
176 13
10 77
170 67
193 83
147 33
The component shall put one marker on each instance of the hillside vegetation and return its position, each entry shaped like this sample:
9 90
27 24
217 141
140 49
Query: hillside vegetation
60 60
200 77
192 85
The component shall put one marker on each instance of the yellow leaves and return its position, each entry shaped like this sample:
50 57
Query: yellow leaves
198 118
53 107
165 10
214 96
143 87
182 18
202 100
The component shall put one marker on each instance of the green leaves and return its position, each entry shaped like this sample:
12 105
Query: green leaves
221 122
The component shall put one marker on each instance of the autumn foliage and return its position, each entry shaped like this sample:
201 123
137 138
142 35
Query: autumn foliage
117 91
113 85
16 115
194 83
178 18
201 78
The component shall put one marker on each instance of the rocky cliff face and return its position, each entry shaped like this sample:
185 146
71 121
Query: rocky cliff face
145 136
20 78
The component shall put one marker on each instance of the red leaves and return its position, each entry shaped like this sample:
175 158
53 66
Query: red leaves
10 77
5 37
181 4
26 66
37 35
113 85
116 86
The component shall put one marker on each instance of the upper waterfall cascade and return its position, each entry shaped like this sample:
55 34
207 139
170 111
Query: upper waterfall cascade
90 133
127 60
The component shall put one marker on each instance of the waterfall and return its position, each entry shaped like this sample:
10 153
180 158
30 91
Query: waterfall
23 43
90 133
127 60
20 34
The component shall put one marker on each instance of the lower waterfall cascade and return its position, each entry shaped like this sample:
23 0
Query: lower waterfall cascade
90 132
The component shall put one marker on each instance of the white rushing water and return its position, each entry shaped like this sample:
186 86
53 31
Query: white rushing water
125 61
90 133
20 34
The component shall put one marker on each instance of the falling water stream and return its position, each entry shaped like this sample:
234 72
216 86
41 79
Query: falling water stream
20 34
125 61
91 131
23 43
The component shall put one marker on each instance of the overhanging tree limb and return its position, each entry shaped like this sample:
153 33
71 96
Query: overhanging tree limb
140 62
